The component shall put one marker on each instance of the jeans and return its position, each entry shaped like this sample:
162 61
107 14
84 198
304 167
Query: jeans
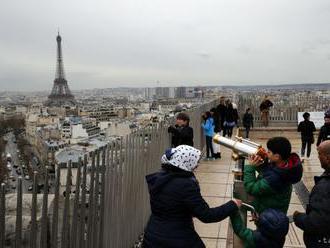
209 147
303 147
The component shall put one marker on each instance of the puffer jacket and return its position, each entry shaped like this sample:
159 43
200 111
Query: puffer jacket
273 186
208 127
175 199
272 227
316 222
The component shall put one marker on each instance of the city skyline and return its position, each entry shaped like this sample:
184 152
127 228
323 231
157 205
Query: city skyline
129 44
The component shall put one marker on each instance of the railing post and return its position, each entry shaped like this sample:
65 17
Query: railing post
54 242
44 217
34 228
18 228
2 215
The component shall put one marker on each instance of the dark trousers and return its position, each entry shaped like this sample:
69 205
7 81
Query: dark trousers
247 131
209 147
228 131
303 147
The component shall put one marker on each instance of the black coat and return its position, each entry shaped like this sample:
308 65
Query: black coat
324 134
175 199
181 135
221 109
217 121
265 105
306 128
231 115
316 222
248 120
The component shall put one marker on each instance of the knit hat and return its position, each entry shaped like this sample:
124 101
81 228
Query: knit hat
183 157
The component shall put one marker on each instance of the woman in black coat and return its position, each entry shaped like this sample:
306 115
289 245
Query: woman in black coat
175 199
231 119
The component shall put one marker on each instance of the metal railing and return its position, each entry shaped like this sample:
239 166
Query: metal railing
285 110
104 204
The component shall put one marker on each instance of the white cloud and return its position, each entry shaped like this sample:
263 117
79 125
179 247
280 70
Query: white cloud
111 42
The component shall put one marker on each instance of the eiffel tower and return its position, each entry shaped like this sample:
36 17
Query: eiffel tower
61 94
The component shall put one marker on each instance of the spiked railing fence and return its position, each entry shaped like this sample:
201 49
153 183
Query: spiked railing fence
103 202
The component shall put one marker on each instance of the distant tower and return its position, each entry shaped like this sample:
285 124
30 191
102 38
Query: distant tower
61 94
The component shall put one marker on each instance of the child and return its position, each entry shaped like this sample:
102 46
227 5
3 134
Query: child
208 127
272 188
272 227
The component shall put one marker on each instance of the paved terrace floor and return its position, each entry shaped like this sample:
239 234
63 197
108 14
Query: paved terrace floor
216 180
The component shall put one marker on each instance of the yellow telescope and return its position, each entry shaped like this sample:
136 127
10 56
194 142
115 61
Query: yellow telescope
241 147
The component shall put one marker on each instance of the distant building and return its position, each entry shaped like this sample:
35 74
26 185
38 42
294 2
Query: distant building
76 128
150 93
180 92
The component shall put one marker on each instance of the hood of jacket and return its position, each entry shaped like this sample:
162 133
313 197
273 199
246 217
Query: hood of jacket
158 180
291 170
287 173
273 224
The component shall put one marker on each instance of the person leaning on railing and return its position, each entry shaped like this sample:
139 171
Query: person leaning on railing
175 198
264 107
273 186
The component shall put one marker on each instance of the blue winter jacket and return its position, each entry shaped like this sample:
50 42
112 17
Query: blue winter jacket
208 127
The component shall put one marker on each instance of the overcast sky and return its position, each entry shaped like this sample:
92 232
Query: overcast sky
115 43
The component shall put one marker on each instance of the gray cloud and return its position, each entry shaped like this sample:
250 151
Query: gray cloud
111 43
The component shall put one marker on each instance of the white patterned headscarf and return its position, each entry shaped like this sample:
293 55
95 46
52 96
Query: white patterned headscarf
184 157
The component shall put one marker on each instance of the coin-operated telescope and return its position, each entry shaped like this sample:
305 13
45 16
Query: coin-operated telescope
241 147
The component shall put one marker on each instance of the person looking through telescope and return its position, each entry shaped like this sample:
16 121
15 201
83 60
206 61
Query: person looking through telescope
182 133
272 188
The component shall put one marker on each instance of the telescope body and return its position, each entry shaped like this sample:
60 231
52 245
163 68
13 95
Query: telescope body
243 146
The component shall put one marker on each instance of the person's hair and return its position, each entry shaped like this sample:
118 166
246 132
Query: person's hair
207 114
306 115
281 146
213 110
248 109
183 116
